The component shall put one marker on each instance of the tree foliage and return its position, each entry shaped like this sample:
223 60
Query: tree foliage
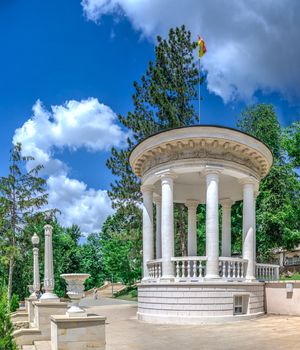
163 98
22 194
6 327
278 203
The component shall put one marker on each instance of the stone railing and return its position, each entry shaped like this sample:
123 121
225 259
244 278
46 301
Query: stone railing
232 268
190 267
155 268
267 272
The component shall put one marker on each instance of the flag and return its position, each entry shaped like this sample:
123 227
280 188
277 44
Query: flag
201 47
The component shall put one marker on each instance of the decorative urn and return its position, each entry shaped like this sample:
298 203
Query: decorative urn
75 288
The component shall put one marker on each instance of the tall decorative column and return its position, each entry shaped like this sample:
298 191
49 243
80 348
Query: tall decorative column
192 227
256 193
226 226
49 295
157 201
36 270
212 223
167 225
148 239
249 225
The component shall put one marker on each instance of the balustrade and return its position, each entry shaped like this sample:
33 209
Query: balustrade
190 267
194 267
232 268
267 272
155 268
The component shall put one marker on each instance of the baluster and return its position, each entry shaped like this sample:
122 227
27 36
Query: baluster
182 269
195 268
224 269
188 269
200 269
238 267
234 275
159 270
177 269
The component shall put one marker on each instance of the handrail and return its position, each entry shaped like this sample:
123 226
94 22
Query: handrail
188 258
267 265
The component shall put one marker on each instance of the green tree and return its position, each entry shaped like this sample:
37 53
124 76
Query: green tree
164 98
291 143
278 203
6 326
91 261
121 247
22 194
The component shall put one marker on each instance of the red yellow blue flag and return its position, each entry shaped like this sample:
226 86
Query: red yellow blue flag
201 47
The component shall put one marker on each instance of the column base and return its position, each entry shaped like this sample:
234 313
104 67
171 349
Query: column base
49 297
211 277
250 279
167 278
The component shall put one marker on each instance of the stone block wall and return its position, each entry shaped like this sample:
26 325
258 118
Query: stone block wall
202 302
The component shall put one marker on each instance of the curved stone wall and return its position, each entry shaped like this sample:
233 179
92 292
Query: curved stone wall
186 303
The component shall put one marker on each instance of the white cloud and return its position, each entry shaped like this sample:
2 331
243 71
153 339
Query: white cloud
79 205
251 45
86 124
76 124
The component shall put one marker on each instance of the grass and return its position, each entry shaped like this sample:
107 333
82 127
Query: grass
129 294
294 277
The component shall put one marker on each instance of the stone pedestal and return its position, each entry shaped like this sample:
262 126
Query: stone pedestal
80 333
42 314
30 309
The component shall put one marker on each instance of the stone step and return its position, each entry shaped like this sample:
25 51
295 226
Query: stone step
42 345
28 347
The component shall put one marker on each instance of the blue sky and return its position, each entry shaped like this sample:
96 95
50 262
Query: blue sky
58 51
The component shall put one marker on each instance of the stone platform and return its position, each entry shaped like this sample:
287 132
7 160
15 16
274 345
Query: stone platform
202 302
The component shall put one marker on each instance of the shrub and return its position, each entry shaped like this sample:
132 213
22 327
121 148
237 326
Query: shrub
14 303
6 327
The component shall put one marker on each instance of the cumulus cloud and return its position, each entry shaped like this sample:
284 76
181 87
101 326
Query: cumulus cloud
76 124
79 205
251 45
85 124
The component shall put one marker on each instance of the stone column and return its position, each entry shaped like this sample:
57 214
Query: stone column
256 193
148 242
167 225
192 227
36 271
212 224
226 227
49 295
249 225
157 201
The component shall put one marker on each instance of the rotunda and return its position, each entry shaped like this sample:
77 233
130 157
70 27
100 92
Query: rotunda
210 165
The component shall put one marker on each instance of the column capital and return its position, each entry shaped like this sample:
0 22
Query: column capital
249 180
156 199
226 202
48 230
167 174
147 188
191 203
211 170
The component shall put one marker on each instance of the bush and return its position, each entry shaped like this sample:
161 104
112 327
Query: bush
6 327
14 303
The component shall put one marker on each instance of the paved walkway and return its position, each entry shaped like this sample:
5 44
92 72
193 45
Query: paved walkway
124 332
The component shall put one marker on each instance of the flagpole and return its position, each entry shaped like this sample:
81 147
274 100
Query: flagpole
199 94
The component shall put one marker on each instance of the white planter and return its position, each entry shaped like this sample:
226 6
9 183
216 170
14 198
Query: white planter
75 288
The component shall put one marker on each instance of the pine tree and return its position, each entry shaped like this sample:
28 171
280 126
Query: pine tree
22 193
164 98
